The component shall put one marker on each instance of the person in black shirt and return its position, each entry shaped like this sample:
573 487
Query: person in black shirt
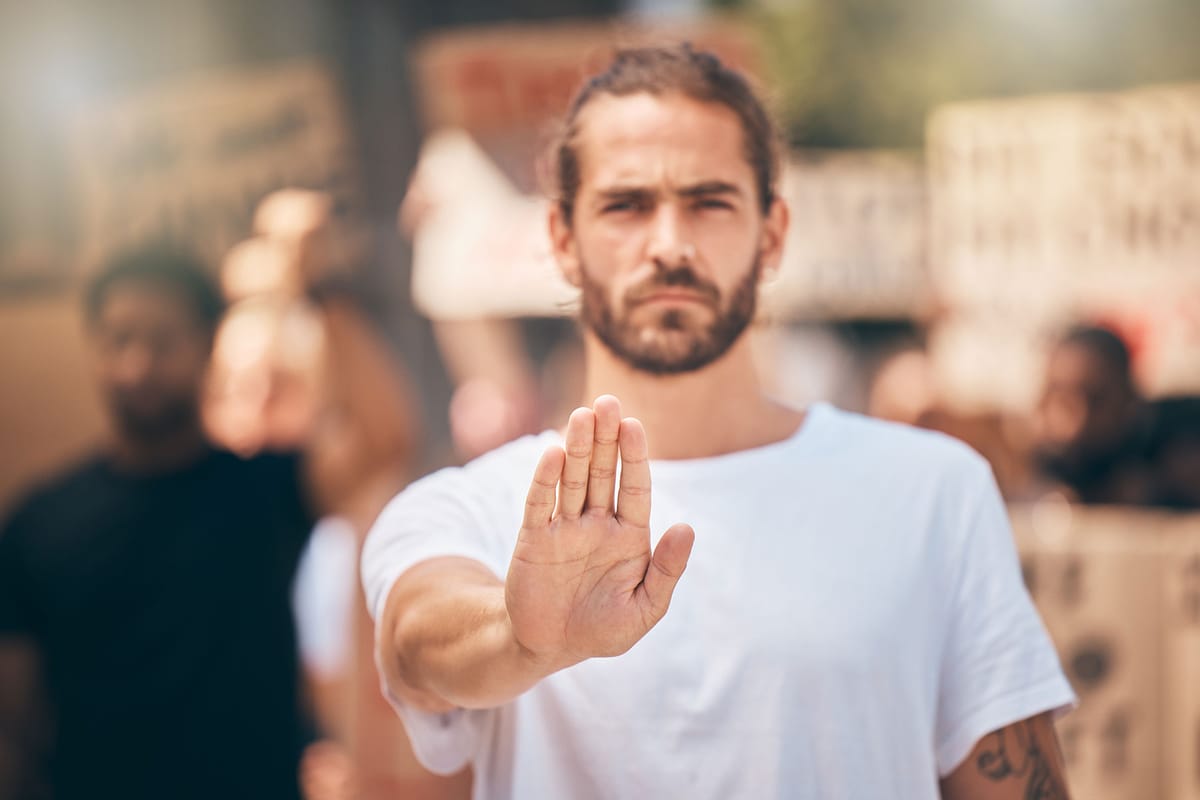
151 583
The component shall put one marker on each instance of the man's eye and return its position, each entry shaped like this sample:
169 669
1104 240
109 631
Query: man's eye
712 203
621 205
114 341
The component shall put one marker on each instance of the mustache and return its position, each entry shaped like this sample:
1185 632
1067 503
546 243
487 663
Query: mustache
681 277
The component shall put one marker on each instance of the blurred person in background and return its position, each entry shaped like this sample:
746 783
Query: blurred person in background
1091 427
1174 452
853 622
149 586
296 365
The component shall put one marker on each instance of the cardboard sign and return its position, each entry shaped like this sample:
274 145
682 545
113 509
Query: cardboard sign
1066 201
50 413
1119 591
189 159
855 246
1096 578
1181 660
510 80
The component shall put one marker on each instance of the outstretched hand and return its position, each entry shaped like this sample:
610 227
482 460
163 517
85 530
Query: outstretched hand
582 581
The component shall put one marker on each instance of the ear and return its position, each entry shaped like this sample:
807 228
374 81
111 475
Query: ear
562 243
774 232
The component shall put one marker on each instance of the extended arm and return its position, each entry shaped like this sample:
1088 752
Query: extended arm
582 581
446 639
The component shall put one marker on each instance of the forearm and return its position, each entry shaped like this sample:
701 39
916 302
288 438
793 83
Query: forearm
446 633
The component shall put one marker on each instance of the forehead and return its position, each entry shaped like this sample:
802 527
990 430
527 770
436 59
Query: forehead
645 139
146 303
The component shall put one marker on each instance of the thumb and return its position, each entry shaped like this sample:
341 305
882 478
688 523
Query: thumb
666 566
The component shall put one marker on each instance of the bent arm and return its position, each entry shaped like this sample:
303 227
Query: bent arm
445 639
1019 761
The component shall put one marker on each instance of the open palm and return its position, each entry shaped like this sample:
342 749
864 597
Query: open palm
582 581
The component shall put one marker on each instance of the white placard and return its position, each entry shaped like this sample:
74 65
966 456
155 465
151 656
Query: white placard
188 159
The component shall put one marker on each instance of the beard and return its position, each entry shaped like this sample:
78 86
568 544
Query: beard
168 416
672 342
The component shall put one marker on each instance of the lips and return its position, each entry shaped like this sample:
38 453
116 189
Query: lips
673 297
672 294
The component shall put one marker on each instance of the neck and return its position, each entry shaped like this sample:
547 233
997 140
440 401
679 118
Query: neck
163 453
718 409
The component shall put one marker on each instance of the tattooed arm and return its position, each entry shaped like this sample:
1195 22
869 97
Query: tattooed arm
1020 762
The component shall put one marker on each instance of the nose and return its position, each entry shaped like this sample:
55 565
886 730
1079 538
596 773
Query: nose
670 245
133 364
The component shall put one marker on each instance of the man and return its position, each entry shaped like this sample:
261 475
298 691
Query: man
1091 425
152 582
852 623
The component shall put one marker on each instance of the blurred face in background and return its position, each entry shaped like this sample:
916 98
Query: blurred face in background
1087 407
150 354
667 239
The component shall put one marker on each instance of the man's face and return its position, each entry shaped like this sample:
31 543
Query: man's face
150 355
1086 407
667 240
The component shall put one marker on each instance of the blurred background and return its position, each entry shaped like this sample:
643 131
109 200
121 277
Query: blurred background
996 234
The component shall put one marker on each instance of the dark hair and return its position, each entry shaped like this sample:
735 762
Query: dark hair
164 266
696 74
1102 342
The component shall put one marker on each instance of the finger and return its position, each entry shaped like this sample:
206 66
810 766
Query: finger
539 503
602 473
666 566
572 489
633 496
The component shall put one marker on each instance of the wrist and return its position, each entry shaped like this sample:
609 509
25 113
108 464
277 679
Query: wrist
530 663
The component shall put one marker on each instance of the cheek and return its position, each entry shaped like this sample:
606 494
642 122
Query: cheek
185 367
613 262
726 244
613 249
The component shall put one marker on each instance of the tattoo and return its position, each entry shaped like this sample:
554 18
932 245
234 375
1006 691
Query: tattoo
1013 752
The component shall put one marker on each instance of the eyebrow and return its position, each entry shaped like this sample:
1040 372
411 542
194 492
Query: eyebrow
710 187
703 189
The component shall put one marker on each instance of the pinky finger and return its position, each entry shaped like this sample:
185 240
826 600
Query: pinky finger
539 503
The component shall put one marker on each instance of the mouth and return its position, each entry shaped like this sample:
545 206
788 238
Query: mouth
672 297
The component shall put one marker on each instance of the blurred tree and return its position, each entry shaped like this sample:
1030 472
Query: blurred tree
865 73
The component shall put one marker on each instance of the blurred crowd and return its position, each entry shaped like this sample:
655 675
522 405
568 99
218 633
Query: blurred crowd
1092 438
277 391
183 602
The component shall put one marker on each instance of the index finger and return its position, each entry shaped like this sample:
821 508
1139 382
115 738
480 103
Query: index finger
633 496
539 503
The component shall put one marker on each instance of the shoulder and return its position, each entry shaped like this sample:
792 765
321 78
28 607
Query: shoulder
894 446
472 511
495 477
65 490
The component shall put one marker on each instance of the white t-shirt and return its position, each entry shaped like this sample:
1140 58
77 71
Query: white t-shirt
851 622
323 596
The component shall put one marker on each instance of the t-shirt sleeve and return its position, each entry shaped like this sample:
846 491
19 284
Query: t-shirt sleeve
440 515
998 664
